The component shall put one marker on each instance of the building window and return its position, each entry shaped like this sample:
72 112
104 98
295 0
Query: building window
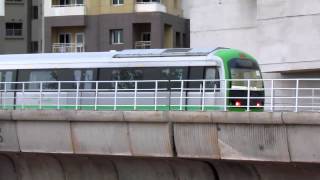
35 12
13 29
116 36
117 2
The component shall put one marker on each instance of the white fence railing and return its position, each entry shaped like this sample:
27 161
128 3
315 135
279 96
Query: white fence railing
142 45
67 47
201 95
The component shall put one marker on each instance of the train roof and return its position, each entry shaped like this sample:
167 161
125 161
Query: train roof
126 58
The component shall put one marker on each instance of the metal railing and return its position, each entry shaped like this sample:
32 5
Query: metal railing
67 47
142 45
67 5
148 2
155 95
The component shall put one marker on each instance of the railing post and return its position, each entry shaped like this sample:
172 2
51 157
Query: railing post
225 95
135 95
248 96
312 99
96 96
203 95
156 96
40 98
59 90
115 96
4 99
271 96
23 98
77 95
181 94
297 96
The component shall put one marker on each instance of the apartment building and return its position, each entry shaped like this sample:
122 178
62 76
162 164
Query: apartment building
14 26
284 35
102 25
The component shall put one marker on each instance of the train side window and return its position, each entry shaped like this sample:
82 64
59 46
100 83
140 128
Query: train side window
212 73
84 75
7 76
195 73
43 75
175 73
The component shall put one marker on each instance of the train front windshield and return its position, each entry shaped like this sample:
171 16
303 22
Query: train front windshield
241 69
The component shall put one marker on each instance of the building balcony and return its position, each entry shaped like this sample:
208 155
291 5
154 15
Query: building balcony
150 7
142 45
53 10
67 47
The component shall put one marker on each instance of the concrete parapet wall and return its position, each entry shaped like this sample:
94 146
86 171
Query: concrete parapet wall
247 136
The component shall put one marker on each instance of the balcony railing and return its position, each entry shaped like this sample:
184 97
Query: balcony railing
67 47
150 7
67 5
63 9
142 45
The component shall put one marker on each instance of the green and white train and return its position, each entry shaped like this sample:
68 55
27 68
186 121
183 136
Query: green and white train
177 79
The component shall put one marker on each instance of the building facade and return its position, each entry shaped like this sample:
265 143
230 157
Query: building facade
19 21
284 35
33 26
96 25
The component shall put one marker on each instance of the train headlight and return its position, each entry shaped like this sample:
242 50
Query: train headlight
238 103
258 104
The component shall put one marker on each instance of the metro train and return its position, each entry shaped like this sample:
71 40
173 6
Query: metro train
177 79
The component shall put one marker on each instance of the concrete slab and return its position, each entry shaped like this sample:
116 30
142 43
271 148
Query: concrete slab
144 116
8 137
234 171
189 116
253 142
288 171
80 168
105 138
151 139
108 116
192 170
7 169
137 169
311 118
5 115
44 136
304 143
196 140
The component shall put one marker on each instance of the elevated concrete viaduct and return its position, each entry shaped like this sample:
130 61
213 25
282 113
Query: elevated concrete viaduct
45 144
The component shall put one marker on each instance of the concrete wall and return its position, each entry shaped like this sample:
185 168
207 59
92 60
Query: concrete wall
282 34
263 137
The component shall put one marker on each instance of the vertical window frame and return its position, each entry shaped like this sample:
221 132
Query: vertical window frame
116 36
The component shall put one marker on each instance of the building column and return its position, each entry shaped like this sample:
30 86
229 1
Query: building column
47 38
157 33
